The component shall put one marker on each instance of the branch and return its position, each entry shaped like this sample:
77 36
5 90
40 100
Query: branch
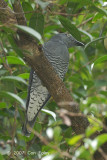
6 14
21 20
48 76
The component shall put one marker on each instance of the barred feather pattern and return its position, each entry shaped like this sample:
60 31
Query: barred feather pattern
39 93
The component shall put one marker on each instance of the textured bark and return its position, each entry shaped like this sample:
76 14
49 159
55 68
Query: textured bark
21 20
7 16
46 72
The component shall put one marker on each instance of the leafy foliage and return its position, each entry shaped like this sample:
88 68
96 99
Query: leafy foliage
86 79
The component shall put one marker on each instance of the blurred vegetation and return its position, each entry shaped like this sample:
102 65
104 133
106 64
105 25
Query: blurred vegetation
86 80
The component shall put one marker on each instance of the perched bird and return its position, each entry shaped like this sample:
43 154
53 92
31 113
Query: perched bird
56 51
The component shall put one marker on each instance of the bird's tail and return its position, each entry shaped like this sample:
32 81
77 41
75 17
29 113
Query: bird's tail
25 130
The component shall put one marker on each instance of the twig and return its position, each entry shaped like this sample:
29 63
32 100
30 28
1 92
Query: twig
102 153
18 9
84 22
66 14
44 140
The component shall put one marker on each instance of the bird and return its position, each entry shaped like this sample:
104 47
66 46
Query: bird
56 51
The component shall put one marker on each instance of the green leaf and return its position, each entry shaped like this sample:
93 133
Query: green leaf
38 127
49 28
27 8
91 130
24 75
95 122
14 45
75 139
97 142
70 28
23 94
13 60
100 83
75 79
83 2
100 10
30 31
1 157
100 60
61 2
15 78
97 17
37 22
2 105
57 134
49 113
101 139
83 153
14 97
103 93
68 132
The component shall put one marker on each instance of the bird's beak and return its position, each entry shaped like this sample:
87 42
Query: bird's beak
77 43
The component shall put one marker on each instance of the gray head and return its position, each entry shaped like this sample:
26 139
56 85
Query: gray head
68 39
